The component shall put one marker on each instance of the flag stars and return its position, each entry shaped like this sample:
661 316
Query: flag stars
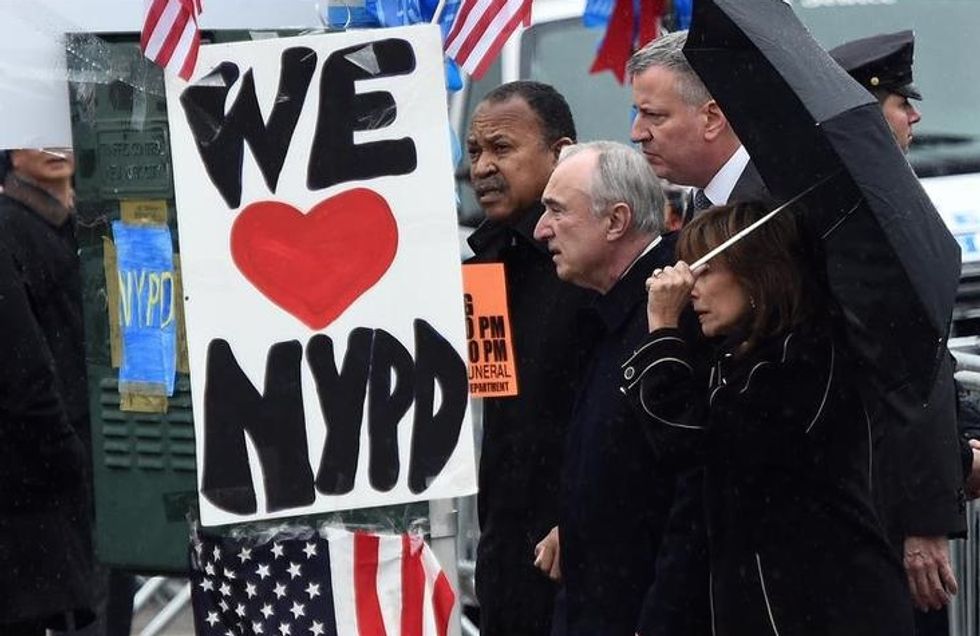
277 550
257 628
298 610
207 585
285 629
245 554
310 550
267 610
294 570
225 589
217 553
223 604
263 571
209 568
313 590
212 619
229 574
240 610
317 628
250 589
280 590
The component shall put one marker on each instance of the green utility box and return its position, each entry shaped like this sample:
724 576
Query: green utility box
144 466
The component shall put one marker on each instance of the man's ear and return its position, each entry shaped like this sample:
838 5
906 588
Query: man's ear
620 219
558 145
715 122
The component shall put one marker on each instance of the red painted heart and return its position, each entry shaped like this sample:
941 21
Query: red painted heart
315 265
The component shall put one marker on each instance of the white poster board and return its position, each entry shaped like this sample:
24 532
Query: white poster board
320 263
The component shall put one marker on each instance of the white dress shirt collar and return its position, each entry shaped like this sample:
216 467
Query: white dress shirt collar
719 189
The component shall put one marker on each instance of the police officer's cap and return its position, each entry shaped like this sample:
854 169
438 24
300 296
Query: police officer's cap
880 62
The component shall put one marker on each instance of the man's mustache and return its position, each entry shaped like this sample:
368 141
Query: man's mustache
486 185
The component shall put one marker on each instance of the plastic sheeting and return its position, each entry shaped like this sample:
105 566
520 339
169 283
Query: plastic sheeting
33 75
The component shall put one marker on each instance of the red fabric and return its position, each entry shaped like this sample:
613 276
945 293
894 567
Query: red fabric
413 587
617 46
443 600
491 23
187 11
370 621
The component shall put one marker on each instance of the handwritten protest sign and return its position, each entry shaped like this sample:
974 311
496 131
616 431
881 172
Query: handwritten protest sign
490 346
323 294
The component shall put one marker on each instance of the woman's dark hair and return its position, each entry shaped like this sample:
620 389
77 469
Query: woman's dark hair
769 263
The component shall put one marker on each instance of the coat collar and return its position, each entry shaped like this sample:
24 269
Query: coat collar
37 200
492 236
617 305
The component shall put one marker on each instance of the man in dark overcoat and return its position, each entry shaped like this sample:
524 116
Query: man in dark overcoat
917 481
46 569
625 513
513 143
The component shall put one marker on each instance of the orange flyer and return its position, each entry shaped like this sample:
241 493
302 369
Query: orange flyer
489 340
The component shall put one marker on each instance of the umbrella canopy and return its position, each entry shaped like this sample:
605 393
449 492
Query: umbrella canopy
891 264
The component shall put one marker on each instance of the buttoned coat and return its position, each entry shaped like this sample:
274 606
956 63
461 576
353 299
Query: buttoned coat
796 547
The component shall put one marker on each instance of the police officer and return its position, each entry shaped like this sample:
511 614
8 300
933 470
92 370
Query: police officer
883 64
919 525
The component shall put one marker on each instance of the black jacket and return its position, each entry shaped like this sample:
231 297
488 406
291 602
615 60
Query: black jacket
45 501
618 498
796 546
524 435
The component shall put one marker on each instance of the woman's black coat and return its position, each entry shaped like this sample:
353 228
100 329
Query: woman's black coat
796 547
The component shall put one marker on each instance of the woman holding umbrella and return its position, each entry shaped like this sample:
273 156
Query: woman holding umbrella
796 547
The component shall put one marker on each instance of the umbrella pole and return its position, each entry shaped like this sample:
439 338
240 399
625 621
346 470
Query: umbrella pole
701 262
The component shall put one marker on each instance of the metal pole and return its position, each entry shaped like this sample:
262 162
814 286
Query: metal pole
169 612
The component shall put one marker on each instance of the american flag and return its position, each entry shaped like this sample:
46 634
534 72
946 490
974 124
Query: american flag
481 29
171 37
348 584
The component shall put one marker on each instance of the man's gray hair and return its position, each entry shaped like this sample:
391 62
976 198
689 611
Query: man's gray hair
666 52
623 176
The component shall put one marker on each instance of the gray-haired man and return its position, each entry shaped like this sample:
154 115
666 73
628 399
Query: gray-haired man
603 222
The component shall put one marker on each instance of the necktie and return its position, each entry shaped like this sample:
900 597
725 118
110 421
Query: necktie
701 200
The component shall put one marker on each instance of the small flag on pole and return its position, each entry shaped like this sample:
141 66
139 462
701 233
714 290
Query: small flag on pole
480 31
171 36
348 584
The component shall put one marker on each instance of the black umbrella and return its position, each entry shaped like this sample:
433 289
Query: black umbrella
891 264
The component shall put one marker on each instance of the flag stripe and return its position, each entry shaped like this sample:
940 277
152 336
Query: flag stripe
389 582
368 608
342 575
413 588
171 36
152 19
481 29
173 39
158 35
443 600
500 27
486 56
469 14
190 62
478 31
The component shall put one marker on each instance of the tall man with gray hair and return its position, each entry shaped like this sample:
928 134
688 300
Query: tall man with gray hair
603 224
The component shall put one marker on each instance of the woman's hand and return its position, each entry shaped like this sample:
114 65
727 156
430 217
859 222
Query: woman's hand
668 292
